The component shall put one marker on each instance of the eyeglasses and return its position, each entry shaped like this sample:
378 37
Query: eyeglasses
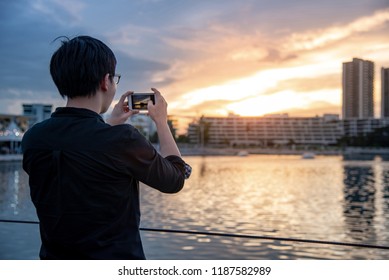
116 78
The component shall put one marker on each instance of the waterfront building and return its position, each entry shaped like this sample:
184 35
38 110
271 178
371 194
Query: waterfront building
271 130
362 127
358 89
37 112
12 128
384 92
279 130
144 124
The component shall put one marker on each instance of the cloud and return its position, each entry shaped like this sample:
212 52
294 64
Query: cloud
27 46
212 105
12 99
320 37
214 56
130 35
25 54
221 52
62 12
308 84
311 58
137 73
199 45
317 108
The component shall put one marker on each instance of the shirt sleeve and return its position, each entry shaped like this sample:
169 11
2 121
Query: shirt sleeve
145 164
187 169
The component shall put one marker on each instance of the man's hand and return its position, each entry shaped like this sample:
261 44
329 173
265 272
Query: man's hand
158 111
121 112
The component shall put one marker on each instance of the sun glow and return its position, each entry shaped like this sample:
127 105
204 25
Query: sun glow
293 80
262 105
260 93
282 102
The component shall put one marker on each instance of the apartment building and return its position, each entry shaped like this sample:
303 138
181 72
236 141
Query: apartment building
358 89
265 131
384 92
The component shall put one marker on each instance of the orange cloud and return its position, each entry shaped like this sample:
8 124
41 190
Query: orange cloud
317 38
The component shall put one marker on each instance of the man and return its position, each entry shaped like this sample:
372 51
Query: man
83 172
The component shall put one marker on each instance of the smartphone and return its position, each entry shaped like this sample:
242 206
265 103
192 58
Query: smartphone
139 101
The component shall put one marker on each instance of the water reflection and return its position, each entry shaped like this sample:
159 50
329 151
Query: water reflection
385 197
269 195
203 167
359 201
283 196
17 241
385 188
14 195
358 157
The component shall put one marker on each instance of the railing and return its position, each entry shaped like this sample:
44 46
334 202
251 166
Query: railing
232 235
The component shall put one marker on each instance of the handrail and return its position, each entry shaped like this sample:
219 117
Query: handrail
233 235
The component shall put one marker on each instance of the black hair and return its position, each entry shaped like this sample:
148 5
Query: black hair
79 65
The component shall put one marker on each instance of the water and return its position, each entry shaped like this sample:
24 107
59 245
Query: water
326 198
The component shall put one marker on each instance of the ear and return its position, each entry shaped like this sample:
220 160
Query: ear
104 84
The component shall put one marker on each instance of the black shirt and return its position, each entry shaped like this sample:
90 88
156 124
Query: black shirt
84 179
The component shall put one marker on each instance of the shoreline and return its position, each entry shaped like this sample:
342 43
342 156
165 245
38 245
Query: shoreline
348 152
186 151
11 157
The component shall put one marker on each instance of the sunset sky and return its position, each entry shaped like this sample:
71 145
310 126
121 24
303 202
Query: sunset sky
207 57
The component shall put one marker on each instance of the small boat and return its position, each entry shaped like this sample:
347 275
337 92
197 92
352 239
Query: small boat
243 153
308 155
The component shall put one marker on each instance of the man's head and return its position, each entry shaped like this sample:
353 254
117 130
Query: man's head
79 66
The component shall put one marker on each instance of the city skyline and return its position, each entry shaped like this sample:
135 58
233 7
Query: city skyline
208 58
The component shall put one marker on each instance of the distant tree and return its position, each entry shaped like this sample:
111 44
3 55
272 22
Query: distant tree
173 130
204 129
377 138
291 143
154 138
182 138
380 137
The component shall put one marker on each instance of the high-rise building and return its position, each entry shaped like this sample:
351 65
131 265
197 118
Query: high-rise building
384 92
358 89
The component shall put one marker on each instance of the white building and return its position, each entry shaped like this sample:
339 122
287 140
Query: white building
12 129
37 112
144 124
266 131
